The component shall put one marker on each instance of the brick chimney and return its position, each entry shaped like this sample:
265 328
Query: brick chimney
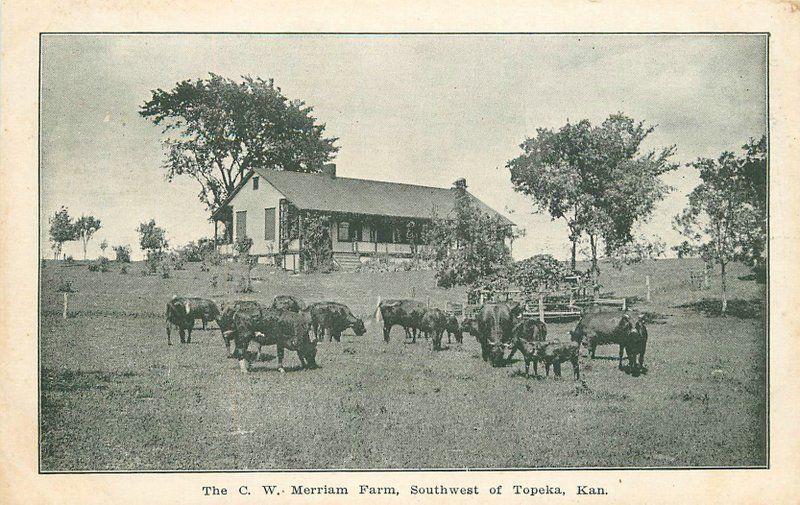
329 169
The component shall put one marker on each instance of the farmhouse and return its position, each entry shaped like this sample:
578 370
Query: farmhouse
366 217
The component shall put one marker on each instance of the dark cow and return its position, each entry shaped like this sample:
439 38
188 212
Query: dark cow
282 328
182 312
225 320
433 325
555 352
495 330
453 329
529 335
626 329
288 302
333 318
406 313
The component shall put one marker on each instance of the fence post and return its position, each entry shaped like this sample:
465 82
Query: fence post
541 307
647 282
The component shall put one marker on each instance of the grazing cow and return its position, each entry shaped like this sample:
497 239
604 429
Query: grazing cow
182 312
555 352
282 328
433 325
225 320
529 335
288 302
406 313
333 318
495 325
626 329
453 329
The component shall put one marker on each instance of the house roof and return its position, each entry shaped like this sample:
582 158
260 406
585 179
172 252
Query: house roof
361 196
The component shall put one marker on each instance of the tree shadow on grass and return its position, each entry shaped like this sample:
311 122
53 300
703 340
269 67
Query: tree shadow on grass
743 309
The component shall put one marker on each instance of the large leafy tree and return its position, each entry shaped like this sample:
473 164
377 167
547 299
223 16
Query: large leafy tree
722 214
469 246
597 178
62 229
216 129
85 228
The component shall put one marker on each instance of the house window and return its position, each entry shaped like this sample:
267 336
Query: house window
241 224
344 232
384 232
355 232
255 182
269 223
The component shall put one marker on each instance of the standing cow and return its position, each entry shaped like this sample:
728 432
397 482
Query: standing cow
626 329
225 321
288 302
406 313
284 329
433 325
182 312
495 330
333 318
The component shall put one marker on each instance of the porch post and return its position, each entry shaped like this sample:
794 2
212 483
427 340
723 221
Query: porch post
300 240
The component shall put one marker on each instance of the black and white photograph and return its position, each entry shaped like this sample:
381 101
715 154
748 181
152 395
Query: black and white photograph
403 251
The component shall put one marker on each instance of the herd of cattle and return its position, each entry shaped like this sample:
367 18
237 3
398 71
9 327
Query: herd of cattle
289 323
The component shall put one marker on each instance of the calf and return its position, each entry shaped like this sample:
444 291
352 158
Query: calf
406 313
626 329
433 325
334 318
555 352
288 302
284 329
182 312
453 329
529 335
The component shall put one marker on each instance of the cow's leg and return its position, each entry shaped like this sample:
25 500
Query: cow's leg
203 320
302 359
448 336
592 347
227 341
182 334
258 351
337 335
621 351
547 368
169 337
280 357
189 334
386 330
576 369
535 367
557 369
527 367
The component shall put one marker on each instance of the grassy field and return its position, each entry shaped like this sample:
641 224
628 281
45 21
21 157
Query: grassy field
115 397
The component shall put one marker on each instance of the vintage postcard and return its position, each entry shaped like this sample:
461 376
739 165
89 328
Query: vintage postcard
398 261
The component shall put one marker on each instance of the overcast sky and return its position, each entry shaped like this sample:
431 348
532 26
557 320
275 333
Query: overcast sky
419 109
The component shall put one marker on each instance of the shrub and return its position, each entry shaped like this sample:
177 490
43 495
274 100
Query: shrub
178 260
103 264
123 253
196 252
65 286
69 261
94 267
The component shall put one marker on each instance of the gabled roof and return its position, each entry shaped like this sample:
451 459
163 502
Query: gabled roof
361 196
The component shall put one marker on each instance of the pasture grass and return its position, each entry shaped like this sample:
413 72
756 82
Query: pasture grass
115 397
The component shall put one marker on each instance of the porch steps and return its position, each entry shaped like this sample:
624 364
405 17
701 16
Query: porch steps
347 262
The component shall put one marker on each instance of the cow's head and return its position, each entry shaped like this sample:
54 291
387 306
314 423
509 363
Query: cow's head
358 326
